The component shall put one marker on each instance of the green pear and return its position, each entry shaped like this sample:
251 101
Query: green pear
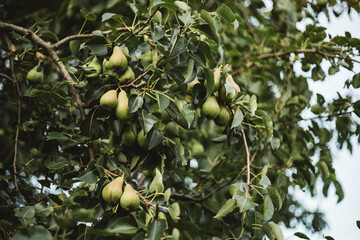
142 139
197 148
210 108
224 116
122 108
109 99
128 76
130 199
128 137
117 60
95 65
224 96
191 84
36 74
148 56
172 129
112 192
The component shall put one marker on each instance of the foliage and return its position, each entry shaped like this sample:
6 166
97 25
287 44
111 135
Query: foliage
196 178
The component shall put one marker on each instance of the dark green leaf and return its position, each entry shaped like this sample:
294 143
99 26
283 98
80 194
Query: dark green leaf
179 47
301 235
244 203
226 13
147 121
155 137
156 229
33 233
135 102
25 212
227 208
163 102
238 118
157 32
356 80
122 225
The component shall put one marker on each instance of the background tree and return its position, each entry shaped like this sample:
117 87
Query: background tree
167 119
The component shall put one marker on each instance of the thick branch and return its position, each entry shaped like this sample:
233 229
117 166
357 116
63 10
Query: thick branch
248 25
84 36
18 118
50 49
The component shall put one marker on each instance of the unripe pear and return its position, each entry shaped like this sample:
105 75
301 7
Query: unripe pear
148 56
34 75
112 192
95 65
122 108
128 76
224 116
109 99
210 108
197 148
130 199
128 137
117 60
142 139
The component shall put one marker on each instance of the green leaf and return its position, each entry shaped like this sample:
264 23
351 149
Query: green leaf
329 238
58 164
186 110
226 13
227 208
121 225
157 32
209 76
84 215
107 16
156 229
179 47
33 233
301 235
89 177
56 136
238 118
358 224
135 103
273 231
268 208
42 211
155 137
25 212
174 211
98 50
157 184
356 80
116 126
275 197
244 203
163 102
147 121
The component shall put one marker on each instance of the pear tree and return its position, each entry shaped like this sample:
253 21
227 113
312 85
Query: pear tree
169 119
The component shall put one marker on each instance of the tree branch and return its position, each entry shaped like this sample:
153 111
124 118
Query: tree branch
247 163
248 25
142 28
283 53
16 141
329 116
201 5
50 49
89 35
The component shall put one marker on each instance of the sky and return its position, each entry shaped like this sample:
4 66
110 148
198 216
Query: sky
342 217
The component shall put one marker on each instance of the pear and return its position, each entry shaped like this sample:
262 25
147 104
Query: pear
142 139
128 138
122 108
95 65
128 76
210 108
109 99
197 148
36 74
148 56
224 116
191 84
130 199
112 192
117 60
235 89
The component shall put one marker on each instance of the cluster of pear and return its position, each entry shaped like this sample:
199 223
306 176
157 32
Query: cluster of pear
117 66
119 101
113 193
211 107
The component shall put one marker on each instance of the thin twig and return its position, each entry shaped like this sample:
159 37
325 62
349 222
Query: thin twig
247 163
283 53
6 76
50 49
142 28
329 116
16 141
248 25
88 35
201 5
